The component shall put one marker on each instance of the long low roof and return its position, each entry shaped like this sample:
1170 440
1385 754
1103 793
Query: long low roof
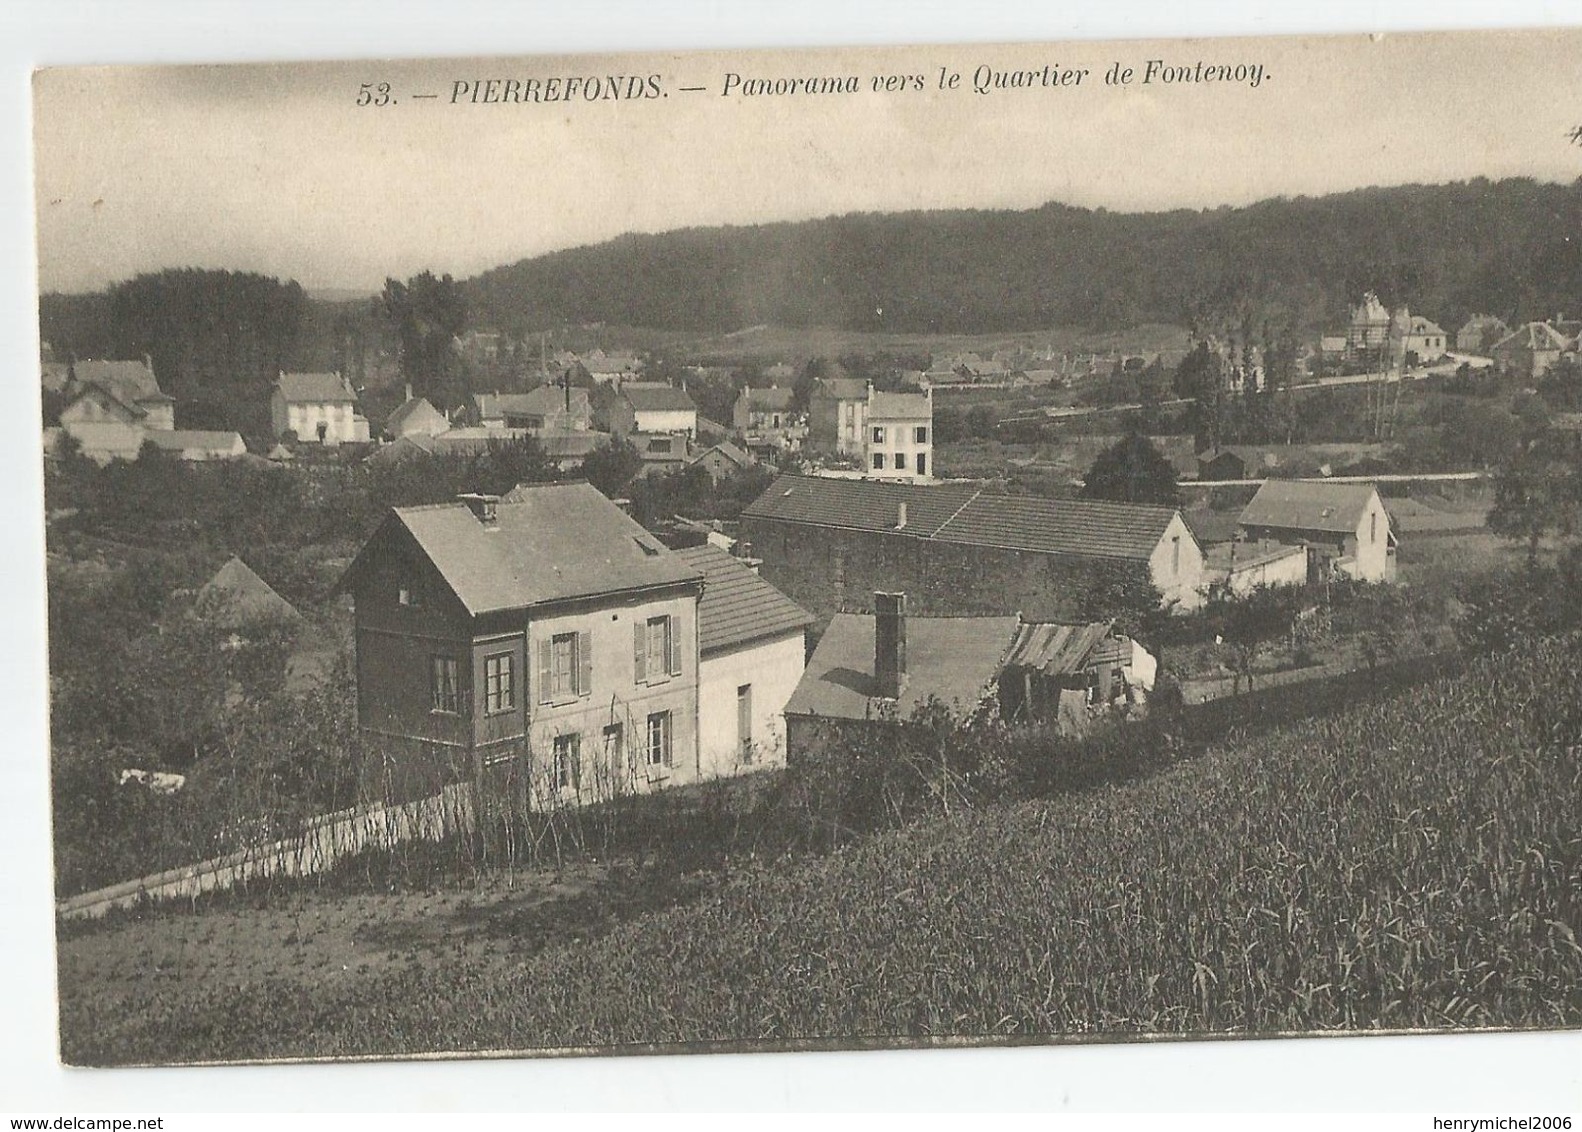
1305 505
968 515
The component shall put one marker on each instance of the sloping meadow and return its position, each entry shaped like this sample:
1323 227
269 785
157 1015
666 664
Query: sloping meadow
1410 862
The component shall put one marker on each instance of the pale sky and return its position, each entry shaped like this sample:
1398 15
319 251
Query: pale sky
276 169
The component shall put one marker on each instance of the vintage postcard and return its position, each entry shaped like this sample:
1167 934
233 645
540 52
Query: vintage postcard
817 549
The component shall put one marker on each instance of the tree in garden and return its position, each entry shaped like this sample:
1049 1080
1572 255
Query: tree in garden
611 467
1249 622
1132 470
1537 492
427 314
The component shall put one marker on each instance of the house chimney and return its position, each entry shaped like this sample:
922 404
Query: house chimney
889 643
409 391
900 515
482 506
624 504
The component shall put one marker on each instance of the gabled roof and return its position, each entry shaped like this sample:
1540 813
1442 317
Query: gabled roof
1421 325
1307 506
773 399
738 606
652 397
1534 336
235 595
110 398
131 381
952 659
730 451
417 411
551 542
860 505
315 389
899 407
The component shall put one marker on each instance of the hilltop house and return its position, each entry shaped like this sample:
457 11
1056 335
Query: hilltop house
960 549
546 644
653 407
752 650
900 428
880 668
1343 526
319 408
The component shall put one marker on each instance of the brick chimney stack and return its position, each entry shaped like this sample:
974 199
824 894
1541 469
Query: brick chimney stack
889 643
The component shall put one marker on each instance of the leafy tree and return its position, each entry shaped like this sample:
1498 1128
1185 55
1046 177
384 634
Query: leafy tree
1132 470
1249 622
1538 492
610 467
427 314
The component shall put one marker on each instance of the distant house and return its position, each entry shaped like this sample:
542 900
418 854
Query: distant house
1344 526
722 460
1423 339
653 407
900 435
960 549
567 450
1532 348
116 408
879 669
612 368
319 408
838 416
763 410
661 452
1368 333
1288 461
1479 333
546 647
197 444
130 384
415 417
548 408
752 651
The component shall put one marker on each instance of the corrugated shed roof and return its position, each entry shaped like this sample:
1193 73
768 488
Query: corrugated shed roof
550 543
1058 650
1307 506
315 388
899 407
1059 526
863 505
645 397
952 659
738 605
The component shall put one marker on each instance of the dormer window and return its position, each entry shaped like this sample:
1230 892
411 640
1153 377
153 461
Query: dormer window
408 594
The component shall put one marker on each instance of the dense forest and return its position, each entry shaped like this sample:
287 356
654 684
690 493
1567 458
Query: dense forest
1447 250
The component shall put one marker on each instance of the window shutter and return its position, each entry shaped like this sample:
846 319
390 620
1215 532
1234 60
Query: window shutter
673 645
666 737
585 663
546 674
640 652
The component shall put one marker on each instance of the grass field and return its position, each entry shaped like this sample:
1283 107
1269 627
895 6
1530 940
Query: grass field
1412 861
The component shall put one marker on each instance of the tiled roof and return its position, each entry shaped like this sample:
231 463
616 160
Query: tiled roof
952 659
130 380
738 606
1307 506
1059 526
772 399
315 389
862 505
647 397
899 407
551 543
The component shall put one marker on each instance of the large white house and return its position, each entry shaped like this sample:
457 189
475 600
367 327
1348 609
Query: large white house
320 408
900 435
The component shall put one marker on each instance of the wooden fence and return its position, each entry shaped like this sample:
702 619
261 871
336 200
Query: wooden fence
322 842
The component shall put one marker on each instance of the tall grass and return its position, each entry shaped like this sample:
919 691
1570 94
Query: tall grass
1413 861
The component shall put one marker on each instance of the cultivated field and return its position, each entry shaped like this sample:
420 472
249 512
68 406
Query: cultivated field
1412 861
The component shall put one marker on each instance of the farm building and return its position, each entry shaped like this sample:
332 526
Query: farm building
549 644
1344 526
959 549
752 650
882 668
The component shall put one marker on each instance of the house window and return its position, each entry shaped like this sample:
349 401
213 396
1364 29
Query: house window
445 684
614 747
568 762
658 746
656 654
565 667
1175 555
900 461
878 461
744 721
1373 527
922 464
659 447
499 683
920 434
878 435
409 595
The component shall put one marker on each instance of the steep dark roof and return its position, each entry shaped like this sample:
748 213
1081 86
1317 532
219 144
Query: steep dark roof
550 543
645 397
315 389
952 659
1307 506
730 451
738 606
